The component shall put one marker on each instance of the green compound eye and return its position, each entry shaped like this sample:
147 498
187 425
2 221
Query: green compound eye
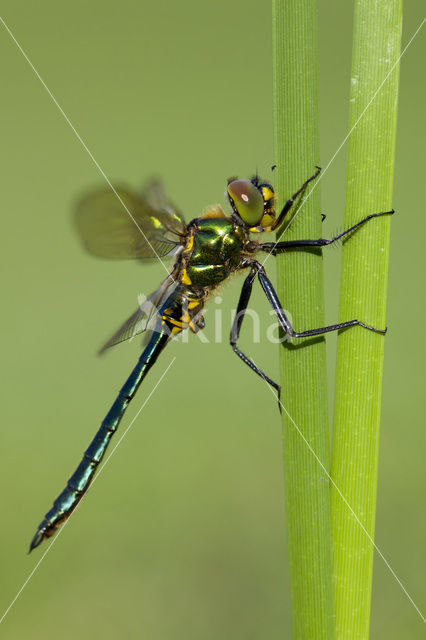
247 201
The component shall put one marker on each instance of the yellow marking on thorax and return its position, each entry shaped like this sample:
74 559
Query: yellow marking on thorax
189 245
185 279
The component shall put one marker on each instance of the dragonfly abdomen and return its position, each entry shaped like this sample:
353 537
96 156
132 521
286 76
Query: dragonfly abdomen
179 311
79 482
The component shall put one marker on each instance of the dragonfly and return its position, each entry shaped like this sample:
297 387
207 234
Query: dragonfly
206 252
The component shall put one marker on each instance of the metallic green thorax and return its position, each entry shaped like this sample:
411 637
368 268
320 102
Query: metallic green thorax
213 251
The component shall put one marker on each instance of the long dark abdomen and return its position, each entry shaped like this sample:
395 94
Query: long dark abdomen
79 482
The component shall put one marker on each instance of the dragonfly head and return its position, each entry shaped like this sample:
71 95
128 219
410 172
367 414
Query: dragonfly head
252 201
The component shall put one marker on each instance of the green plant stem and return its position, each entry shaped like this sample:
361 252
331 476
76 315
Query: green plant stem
371 151
303 370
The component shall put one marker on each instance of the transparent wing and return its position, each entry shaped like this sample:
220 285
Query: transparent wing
139 320
123 224
155 196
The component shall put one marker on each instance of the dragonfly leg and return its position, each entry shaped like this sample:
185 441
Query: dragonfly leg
288 205
279 247
236 327
285 322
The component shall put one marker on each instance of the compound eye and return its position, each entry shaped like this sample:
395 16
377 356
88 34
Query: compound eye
247 201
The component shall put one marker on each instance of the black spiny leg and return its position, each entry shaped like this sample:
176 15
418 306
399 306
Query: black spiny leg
279 247
286 208
285 322
236 327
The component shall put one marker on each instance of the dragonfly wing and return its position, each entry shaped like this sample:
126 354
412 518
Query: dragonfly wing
155 195
134 325
121 224
139 320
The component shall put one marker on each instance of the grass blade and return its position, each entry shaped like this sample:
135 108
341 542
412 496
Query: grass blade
371 150
303 370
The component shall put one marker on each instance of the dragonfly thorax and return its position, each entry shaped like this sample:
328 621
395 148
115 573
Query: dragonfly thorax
213 251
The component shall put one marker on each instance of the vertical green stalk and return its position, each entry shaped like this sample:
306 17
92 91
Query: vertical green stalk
303 370
371 151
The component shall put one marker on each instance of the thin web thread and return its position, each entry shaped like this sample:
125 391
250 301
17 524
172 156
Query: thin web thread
93 482
101 171
299 431
346 138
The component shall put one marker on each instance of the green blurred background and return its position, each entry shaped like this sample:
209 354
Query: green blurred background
183 535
